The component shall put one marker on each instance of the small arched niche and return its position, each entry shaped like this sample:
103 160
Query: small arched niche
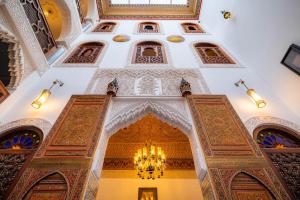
149 52
212 54
86 53
282 148
244 186
192 28
148 27
105 27
17 146
53 186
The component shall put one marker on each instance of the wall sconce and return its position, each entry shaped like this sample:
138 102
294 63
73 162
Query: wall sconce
226 14
42 98
260 103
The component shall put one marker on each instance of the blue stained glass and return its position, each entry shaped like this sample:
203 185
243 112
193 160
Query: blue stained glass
27 140
15 140
279 139
22 139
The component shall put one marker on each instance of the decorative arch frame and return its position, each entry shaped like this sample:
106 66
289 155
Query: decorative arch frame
259 121
133 112
114 29
16 58
137 29
42 124
164 112
41 177
263 182
61 62
166 52
20 158
203 31
219 65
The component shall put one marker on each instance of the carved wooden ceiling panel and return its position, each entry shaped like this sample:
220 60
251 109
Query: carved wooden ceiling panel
124 144
189 9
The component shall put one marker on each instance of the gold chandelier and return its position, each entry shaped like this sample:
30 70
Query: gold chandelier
150 162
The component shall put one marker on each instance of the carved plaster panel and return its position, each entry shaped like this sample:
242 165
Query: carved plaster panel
126 112
145 81
26 34
252 123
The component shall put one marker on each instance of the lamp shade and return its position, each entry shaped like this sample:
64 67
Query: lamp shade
41 99
260 103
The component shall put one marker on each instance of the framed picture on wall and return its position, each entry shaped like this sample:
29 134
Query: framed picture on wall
292 58
147 194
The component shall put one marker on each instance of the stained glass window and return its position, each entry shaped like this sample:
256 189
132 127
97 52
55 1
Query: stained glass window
20 139
273 138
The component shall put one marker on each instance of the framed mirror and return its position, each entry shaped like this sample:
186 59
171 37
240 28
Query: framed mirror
292 58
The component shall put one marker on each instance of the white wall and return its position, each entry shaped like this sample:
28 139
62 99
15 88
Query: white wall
259 34
167 189
219 79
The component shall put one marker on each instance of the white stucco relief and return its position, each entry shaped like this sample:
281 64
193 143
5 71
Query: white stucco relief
42 124
254 122
145 81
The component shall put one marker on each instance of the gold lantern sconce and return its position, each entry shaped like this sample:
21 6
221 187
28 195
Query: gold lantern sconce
226 14
45 94
260 103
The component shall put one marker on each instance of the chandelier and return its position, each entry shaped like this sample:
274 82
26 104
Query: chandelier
150 162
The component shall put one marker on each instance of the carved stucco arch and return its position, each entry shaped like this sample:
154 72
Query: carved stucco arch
42 124
133 113
258 121
174 115
16 58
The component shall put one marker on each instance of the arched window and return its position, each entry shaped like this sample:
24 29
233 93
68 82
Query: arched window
212 54
86 53
192 28
244 186
282 147
149 52
105 27
16 148
148 27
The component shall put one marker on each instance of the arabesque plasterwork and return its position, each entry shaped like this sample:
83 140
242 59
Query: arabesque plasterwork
42 124
254 122
162 82
16 58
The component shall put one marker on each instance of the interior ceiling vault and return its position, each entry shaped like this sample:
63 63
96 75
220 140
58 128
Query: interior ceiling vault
149 9
123 145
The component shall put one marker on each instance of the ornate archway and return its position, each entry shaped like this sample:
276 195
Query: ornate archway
281 146
13 68
17 148
245 186
52 186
